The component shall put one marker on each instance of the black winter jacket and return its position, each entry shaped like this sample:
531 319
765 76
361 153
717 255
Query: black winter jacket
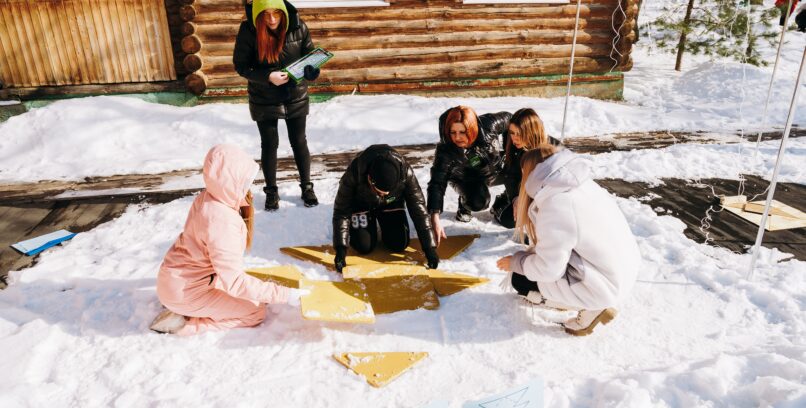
266 100
356 195
483 161
512 173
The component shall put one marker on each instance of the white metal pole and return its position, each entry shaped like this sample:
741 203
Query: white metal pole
571 72
774 180
772 79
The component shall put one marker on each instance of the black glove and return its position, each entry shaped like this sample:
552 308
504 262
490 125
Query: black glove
310 72
341 258
432 257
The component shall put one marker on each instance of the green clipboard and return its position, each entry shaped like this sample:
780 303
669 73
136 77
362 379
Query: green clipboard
317 58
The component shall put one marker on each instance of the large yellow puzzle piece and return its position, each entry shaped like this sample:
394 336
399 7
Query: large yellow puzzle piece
379 369
445 283
336 302
324 254
287 275
396 293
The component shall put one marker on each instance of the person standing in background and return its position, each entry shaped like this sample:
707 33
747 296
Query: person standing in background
273 37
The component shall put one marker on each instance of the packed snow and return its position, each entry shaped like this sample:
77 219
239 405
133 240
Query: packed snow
694 332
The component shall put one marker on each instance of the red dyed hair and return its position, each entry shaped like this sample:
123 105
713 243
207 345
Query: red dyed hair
270 43
466 116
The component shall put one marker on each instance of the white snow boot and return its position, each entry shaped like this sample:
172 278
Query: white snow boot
168 322
586 320
538 300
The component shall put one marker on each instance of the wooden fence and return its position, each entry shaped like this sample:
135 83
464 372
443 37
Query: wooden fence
72 42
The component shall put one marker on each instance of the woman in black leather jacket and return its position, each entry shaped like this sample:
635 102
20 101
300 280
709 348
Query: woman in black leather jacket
273 37
469 156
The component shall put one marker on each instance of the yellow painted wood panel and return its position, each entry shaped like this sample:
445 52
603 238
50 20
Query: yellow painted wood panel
76 42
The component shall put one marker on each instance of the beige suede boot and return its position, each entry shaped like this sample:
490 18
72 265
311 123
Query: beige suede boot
586 320
168 322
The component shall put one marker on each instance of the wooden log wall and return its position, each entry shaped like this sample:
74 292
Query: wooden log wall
414 41
70 42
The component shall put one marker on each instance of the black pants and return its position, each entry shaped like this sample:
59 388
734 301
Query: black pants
502 211
270 140
394 230
523 285
474 195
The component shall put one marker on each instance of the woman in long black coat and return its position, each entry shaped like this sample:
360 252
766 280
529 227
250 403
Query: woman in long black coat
470 157
273 37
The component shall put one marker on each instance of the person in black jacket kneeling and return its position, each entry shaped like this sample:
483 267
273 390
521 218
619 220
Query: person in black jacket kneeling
273 37
469 156
375 190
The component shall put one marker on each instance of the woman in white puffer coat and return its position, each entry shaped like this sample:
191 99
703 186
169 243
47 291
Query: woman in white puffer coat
583 255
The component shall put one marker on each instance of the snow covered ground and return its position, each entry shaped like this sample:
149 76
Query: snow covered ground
694 332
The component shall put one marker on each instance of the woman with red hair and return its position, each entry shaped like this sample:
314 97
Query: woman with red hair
273 37
470 157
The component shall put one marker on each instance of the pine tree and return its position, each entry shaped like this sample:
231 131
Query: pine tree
724 28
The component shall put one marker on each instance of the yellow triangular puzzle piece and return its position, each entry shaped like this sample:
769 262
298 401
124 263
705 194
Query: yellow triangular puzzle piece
448 283
324 254
445 283
379 368
287 275
336 302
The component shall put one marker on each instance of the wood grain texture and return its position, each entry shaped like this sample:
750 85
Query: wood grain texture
75 42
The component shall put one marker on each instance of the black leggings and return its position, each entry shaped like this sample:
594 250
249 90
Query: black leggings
394 230
474 195
522 284
270 140
502 211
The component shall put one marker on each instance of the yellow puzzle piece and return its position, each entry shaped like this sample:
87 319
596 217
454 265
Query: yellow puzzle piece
336 302
445 283
287 275
324 254
379 369
396 293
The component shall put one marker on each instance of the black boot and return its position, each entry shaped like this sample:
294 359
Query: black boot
272 198
308 196
463 214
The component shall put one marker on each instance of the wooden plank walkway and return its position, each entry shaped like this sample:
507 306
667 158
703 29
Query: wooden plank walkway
30 210
418 155
689 200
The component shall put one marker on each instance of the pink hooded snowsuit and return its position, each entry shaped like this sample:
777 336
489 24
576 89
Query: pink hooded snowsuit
202 275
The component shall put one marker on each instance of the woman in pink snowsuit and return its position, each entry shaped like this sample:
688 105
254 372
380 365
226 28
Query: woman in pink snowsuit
202 281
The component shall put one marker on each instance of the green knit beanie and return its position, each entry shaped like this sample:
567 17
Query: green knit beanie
259 6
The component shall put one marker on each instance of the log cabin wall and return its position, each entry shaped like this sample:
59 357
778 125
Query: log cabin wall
436 47
77 42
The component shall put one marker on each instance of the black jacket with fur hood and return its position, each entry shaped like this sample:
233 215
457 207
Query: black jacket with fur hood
355 195
483 161
266 100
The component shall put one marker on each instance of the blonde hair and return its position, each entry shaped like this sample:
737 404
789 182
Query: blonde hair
248 215
531 128
524 227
